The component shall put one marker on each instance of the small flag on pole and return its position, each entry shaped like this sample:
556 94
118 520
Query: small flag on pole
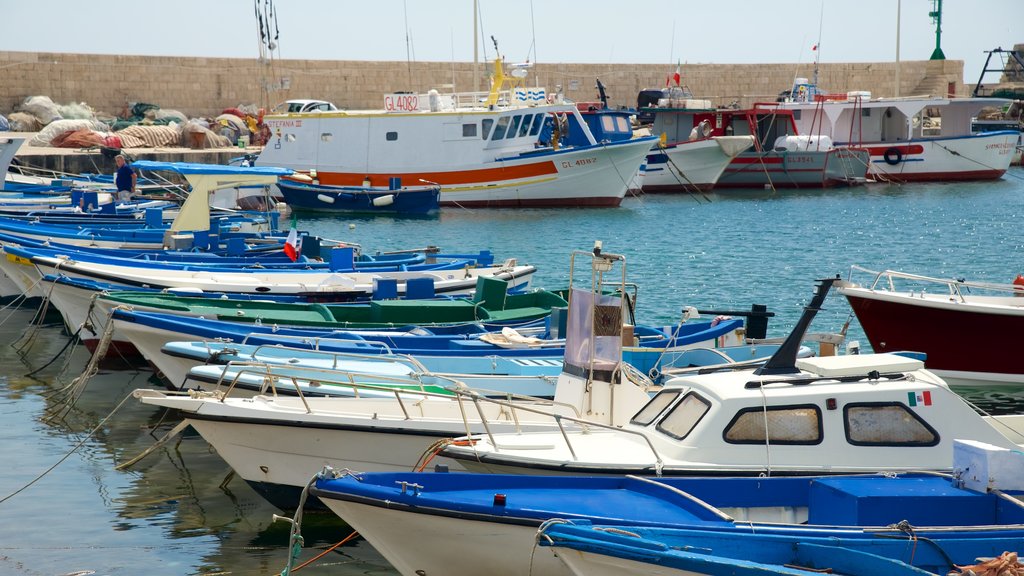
677 76
293 244
814 48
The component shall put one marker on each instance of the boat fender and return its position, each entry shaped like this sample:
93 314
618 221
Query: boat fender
893 156
385 200
325 198
1018 285
700 131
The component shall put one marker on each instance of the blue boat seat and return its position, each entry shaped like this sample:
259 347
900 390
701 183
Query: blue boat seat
385 288
419 288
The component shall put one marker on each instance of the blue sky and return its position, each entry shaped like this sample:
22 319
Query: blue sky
650 31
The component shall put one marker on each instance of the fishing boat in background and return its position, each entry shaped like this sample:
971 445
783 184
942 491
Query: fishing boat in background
481 149
689 156
392 199
780 158
910 139
968 330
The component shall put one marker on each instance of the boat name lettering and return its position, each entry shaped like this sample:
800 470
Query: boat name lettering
402 102
1004 147
799 159
293 123
579 162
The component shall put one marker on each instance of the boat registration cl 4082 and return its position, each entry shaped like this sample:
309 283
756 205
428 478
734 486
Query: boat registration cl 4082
401 102
579 162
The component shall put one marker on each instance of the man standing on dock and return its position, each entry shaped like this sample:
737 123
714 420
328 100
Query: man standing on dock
125 178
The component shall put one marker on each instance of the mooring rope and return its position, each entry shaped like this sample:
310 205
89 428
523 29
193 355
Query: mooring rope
81 443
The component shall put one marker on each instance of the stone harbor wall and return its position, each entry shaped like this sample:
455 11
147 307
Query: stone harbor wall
206 86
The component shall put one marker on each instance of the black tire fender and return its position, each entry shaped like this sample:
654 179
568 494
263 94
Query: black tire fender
893 156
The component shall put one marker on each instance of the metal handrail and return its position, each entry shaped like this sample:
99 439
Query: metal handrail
458 390
952 284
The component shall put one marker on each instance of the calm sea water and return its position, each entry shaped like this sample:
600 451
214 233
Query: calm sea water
181 511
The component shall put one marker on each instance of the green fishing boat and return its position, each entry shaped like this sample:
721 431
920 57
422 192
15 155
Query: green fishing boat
491 304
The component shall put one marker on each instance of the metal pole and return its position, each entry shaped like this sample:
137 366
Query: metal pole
897 94
476 49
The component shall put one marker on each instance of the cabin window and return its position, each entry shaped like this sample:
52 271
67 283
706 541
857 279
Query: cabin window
524 128
538 122
796 114
391 136
514 126
655 407
486 127
469 130
785 425
623 125
607 124
865 112
681 419
500 128
886 424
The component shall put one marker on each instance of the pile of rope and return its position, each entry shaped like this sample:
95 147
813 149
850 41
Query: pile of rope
1005 564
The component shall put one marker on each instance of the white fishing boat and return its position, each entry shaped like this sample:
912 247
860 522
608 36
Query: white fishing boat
825 415
910 139
482 149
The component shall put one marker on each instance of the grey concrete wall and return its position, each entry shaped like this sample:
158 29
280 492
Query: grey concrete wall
205 86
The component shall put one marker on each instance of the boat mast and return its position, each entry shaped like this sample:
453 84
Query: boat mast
898 10
476 50
817 47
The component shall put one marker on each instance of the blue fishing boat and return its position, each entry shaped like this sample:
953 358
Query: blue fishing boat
461 524
394 199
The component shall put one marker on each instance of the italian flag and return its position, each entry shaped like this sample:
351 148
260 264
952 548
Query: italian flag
293 244
915 398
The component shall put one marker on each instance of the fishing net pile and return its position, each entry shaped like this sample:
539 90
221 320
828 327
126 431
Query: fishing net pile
1005 564
138 125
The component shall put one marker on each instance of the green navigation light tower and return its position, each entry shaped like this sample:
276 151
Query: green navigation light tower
936 15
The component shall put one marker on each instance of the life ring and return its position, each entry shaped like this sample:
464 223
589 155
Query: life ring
893 156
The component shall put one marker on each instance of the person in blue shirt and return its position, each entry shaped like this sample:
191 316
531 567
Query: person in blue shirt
125 178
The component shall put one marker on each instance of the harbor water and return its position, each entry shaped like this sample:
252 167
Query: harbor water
65 509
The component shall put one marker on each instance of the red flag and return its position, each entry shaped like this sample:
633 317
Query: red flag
293 244
677 76
813 48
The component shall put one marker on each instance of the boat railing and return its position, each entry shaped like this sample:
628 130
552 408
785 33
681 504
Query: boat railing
954 286
585 426
455 390
335 357
315 342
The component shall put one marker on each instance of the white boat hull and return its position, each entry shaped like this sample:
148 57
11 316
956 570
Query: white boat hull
418 544
691 166
583 563
976 157
589 177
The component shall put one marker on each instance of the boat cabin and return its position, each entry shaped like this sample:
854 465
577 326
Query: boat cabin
854 118
606 124
835 414
767 126
859 412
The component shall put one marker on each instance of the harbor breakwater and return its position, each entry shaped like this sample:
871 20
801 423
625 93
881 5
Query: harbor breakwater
206 86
